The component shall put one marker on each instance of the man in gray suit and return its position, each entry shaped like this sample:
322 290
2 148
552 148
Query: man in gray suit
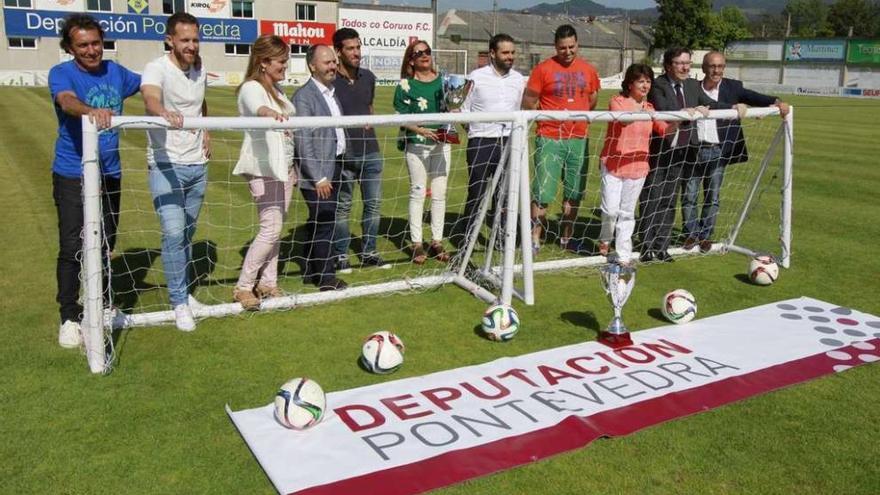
674 90
319 153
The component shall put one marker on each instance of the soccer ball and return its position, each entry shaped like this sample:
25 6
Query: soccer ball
679 306
300 404
382 353
500 322
763 270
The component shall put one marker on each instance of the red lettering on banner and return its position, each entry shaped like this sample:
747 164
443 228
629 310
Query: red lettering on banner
627 353
670 346
871 92
573 363
344 414
553 375
518 373
502 390
611 360
400 409
448 394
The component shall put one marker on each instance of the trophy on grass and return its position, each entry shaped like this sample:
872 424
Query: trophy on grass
618 281
455 90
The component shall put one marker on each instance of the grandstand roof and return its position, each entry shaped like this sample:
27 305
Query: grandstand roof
531 28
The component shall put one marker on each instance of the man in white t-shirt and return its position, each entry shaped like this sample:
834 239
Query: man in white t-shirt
496 87
173 86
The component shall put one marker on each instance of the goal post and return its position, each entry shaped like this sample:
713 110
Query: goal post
491 263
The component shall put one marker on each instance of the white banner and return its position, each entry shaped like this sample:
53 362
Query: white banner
210 8
416 434
385 34
65 5
765 51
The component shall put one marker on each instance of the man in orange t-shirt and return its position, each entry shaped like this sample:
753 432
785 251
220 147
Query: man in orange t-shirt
563 82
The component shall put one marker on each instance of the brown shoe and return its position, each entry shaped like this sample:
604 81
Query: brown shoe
436 251
603 248
419 256
689 243
248 300
265 292
705 246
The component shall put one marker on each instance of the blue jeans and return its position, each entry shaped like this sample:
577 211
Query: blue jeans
709 173
367 171
178 191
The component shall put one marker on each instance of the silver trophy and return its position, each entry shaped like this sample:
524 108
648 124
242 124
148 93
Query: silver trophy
455 91
618 281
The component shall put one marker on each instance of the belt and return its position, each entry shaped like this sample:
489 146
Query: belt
709 145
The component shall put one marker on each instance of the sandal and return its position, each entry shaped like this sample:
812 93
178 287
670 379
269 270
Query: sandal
419 256
265 292
436 251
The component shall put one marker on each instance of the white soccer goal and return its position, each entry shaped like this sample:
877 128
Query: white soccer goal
489 262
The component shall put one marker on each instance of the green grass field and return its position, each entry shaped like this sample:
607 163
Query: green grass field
157 424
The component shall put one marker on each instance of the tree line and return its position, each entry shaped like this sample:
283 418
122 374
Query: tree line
692 23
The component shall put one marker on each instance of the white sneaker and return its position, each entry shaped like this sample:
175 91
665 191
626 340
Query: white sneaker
183 318
70 335
194 303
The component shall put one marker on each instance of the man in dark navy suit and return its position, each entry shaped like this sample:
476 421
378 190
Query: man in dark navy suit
721 143
672 91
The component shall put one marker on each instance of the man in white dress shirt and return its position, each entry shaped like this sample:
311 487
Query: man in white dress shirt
496 87
721 143
173 86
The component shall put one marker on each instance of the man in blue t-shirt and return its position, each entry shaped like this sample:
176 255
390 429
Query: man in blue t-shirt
86 85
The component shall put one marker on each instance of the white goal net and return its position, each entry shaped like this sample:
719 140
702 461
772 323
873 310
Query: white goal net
485 237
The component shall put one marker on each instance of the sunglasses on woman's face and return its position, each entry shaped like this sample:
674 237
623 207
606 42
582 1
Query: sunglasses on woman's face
419 53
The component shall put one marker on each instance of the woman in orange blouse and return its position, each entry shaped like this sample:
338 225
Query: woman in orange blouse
624 160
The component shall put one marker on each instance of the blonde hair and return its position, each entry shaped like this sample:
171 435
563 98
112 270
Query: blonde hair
265 48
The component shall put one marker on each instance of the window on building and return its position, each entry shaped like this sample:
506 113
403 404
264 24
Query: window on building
22 43
243 8
99 5
305 12
298 49
25 4
173 6
109 45
238 49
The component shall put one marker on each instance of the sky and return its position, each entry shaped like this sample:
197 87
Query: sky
444 5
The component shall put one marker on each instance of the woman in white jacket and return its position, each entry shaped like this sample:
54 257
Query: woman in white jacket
266 160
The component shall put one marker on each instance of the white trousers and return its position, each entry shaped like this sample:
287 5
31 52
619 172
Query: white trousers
427 162
619 198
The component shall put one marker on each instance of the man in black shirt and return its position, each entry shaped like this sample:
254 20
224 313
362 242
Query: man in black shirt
362 164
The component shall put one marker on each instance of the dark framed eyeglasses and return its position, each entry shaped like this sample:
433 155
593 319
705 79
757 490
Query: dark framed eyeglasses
418 53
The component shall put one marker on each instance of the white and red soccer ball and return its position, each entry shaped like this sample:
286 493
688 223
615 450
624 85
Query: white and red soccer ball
300 403
763 270
382 353
679 306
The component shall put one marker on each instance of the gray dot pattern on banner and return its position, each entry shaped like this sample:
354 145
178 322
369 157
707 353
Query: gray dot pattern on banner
792 312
